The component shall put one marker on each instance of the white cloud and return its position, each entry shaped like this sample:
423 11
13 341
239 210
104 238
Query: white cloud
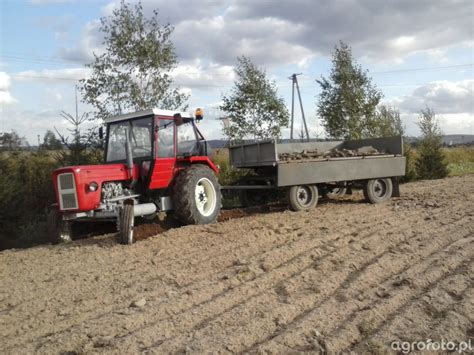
5 81
452 101
89 43
36 121
5 95
444 97
457 123
6 98
293 32
378 29
195 74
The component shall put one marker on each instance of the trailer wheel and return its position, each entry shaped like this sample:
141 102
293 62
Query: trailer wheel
196 196
126 221
378 190
59 231
303 197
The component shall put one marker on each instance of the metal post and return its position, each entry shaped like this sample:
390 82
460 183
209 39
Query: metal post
302 110
293 77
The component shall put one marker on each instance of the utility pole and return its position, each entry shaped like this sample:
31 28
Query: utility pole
294 80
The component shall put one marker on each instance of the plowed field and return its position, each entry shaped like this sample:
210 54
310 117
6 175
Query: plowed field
346 276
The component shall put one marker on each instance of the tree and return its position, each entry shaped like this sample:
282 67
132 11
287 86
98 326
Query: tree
253 107
78 150
134 71
50 142
348 100
385 123
12 141
430 163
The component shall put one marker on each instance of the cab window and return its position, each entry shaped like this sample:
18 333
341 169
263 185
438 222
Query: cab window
187 143
165 138
139 135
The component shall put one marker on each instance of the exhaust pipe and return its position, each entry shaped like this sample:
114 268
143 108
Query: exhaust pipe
144 209
128 152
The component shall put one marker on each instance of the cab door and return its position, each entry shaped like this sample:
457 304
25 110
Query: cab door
165 153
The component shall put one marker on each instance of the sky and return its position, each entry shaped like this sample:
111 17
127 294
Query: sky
418 53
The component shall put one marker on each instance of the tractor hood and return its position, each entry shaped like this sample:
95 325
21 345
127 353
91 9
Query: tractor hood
72 184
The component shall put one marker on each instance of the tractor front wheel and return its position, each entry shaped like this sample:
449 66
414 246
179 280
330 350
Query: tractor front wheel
59 231
196 196
126 222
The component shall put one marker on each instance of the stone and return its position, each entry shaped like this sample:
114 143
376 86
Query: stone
139 303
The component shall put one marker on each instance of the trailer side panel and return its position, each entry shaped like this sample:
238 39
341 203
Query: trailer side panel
253 154
344 169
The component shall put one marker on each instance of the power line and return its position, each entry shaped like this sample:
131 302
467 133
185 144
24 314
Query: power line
59 60
421 69
41 77
304 85
28 57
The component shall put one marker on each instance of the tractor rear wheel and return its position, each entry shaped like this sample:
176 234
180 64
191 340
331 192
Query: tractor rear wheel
126 221
59 231
303 197
378 190
196 195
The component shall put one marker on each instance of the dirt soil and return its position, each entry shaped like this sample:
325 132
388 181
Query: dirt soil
346 276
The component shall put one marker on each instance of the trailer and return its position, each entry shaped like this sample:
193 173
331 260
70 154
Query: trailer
309 169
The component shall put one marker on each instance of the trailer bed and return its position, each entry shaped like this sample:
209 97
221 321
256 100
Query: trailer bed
388 162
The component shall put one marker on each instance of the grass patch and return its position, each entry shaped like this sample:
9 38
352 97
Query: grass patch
227 174
460 160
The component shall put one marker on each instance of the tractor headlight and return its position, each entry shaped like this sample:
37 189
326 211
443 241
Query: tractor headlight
93 186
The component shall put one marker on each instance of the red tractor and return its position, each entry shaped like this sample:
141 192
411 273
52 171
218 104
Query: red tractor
155 160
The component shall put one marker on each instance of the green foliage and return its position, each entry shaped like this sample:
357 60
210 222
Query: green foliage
82 157
10 141
348 99
26 192
227 174
385 123
460 160
253 107
134 72
430 163
411 158
84 148
50 142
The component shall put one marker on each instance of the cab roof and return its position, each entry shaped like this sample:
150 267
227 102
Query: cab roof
149 112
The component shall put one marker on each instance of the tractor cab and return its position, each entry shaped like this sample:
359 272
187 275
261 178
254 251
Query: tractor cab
158 139
154 161
160 134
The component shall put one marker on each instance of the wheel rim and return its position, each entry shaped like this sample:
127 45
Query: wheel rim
304 195
205 196
380 188
130 232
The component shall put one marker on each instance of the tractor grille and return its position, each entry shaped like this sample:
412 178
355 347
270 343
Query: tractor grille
66 181
67 192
